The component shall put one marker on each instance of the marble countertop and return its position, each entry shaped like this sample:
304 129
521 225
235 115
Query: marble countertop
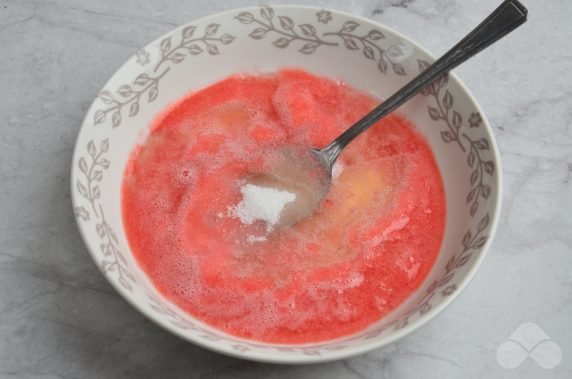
60 319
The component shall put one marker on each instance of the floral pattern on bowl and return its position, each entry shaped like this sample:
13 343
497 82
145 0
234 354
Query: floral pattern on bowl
268 38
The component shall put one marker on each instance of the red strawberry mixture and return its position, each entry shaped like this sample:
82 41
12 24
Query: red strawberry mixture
368 246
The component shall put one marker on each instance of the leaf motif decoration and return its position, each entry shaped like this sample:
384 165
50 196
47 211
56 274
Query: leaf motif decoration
91 168
127 99
286 28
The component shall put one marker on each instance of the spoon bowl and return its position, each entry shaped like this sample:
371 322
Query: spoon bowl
299 171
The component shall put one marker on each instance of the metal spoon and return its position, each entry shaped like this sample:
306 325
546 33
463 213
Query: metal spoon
308 172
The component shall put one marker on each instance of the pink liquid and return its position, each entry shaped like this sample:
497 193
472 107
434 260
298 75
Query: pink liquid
360 255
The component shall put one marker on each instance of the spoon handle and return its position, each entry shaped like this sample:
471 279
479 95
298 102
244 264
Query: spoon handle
507 17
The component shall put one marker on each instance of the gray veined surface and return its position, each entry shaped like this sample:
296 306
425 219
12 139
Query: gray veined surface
60 319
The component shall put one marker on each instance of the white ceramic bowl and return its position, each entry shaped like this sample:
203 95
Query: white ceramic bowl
365 54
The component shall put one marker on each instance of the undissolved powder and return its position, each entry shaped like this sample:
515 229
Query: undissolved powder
261 204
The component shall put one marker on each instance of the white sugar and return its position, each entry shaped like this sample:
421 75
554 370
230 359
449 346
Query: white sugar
261 203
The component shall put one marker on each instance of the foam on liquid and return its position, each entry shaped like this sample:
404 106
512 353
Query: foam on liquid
207 238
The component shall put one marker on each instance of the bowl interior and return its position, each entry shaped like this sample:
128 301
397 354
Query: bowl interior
363 53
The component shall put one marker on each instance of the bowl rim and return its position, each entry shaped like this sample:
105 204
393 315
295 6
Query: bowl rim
276 357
